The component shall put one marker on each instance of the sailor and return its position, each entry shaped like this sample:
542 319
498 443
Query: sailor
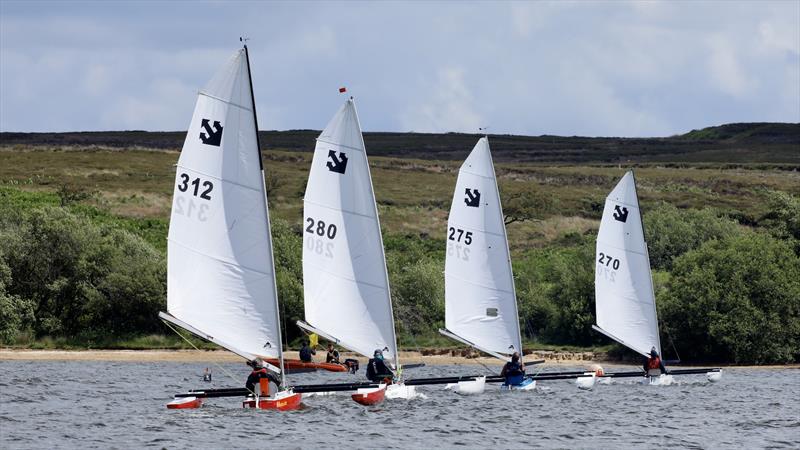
513 371
259 372
333 354
653 366
207 375
377 370
306 352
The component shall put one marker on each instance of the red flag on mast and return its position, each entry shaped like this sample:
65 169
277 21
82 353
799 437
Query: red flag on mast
342 90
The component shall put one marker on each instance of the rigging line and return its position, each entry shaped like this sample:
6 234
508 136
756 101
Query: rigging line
225 371
671 341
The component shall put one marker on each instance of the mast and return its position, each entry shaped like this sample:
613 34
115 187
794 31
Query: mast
269 227
647 255
380 235
508 254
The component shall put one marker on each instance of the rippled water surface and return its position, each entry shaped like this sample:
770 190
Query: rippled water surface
122 404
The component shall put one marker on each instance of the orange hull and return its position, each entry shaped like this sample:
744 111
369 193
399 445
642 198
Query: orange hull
281 403
185 403
296 364
370 396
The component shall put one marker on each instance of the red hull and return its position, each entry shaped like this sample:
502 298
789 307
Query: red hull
185 403
370 397
283 403
296 364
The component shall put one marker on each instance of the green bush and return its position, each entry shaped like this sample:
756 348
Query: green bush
736 299
671 232
81 278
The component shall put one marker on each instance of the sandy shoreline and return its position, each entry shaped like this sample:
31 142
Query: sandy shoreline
407 357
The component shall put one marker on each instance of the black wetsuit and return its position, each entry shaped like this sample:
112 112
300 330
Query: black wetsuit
306 352
257 375
377 370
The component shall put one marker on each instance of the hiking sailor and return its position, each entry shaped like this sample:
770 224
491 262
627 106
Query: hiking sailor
260 372
377 370
513 371
653 366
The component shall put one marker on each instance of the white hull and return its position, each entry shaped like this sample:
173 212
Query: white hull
473 387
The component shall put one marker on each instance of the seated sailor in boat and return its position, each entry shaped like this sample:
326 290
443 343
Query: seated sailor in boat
377 370
306 352
513 371
259 372
333 354
653 366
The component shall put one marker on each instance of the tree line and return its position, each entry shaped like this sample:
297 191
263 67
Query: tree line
726 292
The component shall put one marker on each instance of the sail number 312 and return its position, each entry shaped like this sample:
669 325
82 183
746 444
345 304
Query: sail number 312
208 186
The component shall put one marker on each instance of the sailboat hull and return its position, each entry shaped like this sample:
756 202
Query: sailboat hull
185 403
283 401
370 396
527 385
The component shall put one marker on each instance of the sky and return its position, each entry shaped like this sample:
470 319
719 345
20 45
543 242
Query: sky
587 68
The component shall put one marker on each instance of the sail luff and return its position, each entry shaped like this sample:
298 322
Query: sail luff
380 236
647 256
268 223
508 253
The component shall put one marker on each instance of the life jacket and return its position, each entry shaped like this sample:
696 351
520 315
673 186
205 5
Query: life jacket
654 363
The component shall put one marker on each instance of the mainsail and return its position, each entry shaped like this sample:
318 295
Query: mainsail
346 285
221 278
625 304
480 300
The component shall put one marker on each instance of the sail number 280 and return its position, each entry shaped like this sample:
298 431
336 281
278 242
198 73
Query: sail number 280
319 228
608 260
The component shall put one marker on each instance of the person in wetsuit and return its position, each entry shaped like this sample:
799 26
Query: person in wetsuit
306 352
653 365
377 370
513 371
259 372
333 354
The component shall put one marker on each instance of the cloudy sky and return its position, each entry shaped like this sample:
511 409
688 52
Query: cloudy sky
584 68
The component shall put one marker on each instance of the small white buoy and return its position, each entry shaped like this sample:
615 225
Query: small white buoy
714 376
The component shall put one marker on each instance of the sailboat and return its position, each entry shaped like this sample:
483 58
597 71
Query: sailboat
346 285
221 273
480 298
624 299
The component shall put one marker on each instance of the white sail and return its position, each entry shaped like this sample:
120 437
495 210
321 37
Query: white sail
344 269
480 300
625 304
221 278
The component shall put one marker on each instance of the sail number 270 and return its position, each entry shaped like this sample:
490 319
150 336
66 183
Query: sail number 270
608 260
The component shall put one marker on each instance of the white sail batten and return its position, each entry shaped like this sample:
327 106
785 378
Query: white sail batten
625 304
480 299
221 278
346 286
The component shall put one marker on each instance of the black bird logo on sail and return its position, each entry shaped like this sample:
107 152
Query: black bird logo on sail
337 164
211 136
473 197
620 213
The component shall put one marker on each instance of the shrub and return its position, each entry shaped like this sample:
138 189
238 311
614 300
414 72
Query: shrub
736 299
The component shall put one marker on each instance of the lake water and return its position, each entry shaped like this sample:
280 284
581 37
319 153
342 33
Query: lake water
122 405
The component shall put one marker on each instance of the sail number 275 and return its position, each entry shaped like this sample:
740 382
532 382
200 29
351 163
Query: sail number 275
458 236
